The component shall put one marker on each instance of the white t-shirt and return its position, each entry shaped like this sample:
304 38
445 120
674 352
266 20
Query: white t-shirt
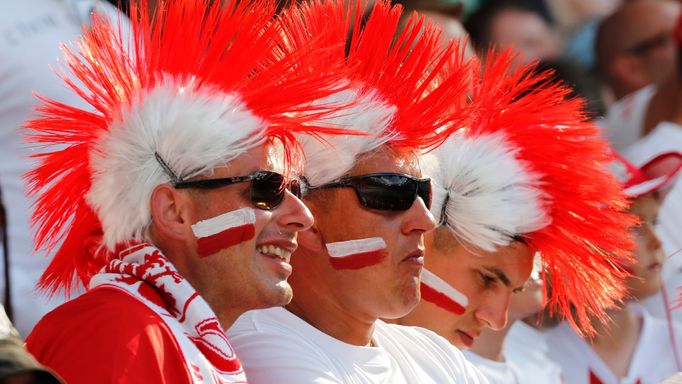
526 349
624 121
276 346
30 34
652 362
496 372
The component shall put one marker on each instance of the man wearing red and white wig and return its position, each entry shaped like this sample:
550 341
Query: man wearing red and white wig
362 259
527 176
634 347
170 199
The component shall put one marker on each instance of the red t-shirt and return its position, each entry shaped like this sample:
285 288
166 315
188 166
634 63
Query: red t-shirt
108 336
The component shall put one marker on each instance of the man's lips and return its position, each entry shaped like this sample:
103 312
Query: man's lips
466 338
414 257
281 249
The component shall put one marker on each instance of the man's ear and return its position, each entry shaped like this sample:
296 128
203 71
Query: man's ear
171 212
311 240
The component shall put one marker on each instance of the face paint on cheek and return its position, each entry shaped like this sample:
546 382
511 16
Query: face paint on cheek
224 231
435 290
356 254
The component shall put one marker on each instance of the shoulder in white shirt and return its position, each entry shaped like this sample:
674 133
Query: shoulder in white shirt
624 121
652 362
276 346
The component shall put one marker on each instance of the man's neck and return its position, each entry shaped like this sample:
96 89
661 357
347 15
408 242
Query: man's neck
615 342
336 323
664 106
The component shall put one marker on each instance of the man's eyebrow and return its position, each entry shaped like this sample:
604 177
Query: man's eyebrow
500 275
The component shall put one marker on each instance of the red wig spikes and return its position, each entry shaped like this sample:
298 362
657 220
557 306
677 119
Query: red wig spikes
401 95
198 83
587 236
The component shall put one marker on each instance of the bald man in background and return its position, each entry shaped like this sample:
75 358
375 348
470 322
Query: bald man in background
634 45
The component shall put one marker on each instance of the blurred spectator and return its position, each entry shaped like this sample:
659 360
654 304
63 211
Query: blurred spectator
513 23
506 356
17 366
31 33
634 45
634 347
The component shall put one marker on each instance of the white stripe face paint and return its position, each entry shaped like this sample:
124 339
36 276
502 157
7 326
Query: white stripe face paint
224 231
355 254
439 292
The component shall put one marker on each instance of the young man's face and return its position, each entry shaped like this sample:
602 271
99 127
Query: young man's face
253 272
487 279
646 276
387 288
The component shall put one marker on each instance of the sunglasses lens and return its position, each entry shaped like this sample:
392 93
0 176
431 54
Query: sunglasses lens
267 190
295 188
424 191
391 192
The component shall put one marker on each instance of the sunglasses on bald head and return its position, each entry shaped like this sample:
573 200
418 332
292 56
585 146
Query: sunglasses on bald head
266 192
385 191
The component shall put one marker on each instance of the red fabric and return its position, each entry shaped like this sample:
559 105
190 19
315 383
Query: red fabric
209 245
108 336
594 379
358 260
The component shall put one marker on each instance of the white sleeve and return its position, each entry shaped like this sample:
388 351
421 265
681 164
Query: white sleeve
269 357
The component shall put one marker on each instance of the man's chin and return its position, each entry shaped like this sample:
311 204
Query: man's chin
406 306
284 294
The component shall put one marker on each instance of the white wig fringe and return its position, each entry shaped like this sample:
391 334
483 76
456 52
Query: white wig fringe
482 192
192 131
327 161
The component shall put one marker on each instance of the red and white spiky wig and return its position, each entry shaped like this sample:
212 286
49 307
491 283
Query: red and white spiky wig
531 166
395 95
198 83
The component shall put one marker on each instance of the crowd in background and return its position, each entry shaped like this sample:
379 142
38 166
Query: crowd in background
621 56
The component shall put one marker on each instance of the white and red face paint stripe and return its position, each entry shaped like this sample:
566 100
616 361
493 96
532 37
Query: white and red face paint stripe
224 231
435 290
356 254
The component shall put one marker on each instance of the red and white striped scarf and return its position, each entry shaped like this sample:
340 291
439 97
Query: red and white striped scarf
145 273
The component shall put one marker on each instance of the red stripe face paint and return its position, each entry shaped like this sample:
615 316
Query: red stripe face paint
435 290
356 254
224 231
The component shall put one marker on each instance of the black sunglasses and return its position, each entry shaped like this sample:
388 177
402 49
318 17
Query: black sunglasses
267 188
385 191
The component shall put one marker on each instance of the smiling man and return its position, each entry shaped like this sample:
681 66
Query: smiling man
362 259
528 176
172 202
